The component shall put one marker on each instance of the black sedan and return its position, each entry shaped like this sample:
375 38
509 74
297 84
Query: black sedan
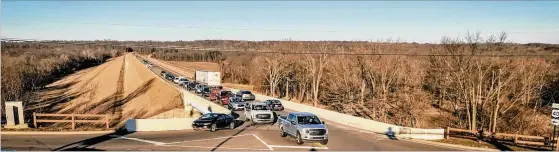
214 121
274 105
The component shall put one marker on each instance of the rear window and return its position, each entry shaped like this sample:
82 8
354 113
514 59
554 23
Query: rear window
275 101
247 92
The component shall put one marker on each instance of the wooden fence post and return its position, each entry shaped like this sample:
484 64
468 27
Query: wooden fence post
73 122
447 133
35 120
556 145
515 138
107 120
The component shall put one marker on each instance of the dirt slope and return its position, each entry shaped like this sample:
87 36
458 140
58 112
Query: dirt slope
122 88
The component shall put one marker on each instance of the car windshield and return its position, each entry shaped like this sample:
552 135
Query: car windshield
206 89
225 93
260 107
246 92
209 116
275 102
184 79
237 100
308 120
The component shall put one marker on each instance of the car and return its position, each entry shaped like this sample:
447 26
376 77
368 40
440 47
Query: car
180 79
213 122
170 77
246 95
206 91
236 103
274 105
184 85
224 96
258 112
163 73
303 126
199 88
192 86
214 92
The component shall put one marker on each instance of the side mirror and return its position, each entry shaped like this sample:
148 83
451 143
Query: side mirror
323 122
293 122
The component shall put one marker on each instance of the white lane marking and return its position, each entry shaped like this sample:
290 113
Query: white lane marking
300 147
270 148
208 139
214 147
142 140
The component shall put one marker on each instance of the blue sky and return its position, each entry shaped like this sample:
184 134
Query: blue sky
412 21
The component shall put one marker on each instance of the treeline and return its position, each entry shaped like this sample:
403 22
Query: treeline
28 67
502 94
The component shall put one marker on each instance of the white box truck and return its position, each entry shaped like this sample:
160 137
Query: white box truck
213 78
200 76
208 77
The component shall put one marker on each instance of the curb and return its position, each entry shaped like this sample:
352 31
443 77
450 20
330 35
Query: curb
54 133
459 147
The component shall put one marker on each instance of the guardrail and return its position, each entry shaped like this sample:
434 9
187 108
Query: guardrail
73 119
515 138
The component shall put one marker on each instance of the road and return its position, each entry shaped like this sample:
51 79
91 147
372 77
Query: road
243 138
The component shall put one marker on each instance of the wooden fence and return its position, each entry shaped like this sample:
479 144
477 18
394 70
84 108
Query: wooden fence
102 118
515 138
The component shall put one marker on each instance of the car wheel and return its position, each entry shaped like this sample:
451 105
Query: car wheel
324 142
213 128
282 133
299 139
232 125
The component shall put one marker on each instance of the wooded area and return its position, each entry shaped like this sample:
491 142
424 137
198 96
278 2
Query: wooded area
463 90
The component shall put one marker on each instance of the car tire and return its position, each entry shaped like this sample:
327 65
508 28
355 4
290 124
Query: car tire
299 139
282 133
324 142
232 125
213 128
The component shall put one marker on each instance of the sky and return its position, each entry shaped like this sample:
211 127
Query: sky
410 21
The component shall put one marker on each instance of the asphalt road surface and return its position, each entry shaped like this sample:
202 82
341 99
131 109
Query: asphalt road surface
244 137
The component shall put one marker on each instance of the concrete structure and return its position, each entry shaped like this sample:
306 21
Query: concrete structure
14 115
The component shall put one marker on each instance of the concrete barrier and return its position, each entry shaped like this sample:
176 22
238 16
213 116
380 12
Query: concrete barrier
159 124
358 122
202 104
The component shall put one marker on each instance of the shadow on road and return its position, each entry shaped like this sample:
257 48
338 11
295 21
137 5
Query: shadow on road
85 145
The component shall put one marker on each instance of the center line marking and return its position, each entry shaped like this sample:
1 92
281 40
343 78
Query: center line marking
269 147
